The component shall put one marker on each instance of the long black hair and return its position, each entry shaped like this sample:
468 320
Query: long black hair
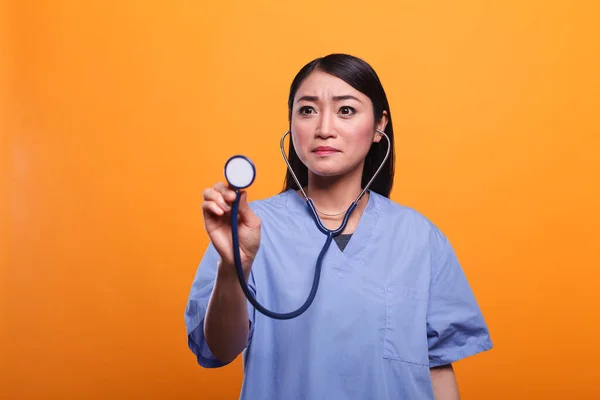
361 76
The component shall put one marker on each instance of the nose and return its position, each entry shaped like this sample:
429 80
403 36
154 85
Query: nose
325 128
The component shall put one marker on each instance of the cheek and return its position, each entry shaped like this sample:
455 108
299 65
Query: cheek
363 137
300 136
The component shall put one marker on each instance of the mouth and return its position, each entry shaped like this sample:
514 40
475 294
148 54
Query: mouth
325 150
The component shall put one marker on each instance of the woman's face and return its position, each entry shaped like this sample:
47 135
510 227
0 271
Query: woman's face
332 125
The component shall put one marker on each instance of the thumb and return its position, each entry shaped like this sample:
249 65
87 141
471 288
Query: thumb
246 214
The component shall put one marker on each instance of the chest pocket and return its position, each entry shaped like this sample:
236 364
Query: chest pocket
405 333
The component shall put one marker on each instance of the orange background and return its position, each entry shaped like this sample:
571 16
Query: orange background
116 115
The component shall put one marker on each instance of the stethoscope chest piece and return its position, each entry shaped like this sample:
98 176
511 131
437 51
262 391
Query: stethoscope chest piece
239 172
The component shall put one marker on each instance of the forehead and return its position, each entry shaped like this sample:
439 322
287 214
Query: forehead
324 85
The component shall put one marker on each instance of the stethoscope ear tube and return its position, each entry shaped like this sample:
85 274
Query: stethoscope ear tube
242 279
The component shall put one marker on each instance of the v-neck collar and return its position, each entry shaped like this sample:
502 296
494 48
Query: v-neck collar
354 253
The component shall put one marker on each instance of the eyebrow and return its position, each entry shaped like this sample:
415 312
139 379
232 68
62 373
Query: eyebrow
335 98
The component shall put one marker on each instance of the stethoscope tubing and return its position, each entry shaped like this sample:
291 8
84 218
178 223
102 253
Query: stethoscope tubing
329 233
242 279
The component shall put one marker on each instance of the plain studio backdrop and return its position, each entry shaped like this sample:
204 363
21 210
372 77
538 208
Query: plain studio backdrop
116 115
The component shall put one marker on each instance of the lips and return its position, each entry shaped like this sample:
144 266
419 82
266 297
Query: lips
325 150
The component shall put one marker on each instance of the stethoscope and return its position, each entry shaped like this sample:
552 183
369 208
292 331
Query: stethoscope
240 174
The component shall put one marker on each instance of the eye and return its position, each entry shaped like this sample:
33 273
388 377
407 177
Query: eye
347 110
306 110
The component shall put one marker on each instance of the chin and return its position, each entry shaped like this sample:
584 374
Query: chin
330 170
327 167
325 174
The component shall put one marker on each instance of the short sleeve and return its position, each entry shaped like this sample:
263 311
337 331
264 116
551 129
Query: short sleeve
197 304
456 328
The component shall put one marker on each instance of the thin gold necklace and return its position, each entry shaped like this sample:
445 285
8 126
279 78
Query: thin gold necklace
324 213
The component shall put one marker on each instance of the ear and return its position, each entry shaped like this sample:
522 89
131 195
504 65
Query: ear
381 126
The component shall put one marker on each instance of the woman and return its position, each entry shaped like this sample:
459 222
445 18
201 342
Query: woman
394 309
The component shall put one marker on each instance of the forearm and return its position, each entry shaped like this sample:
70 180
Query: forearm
226 325
444 383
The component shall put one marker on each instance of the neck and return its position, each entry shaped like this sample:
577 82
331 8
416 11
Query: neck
334 195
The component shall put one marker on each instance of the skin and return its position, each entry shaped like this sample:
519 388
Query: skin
326 112
444 383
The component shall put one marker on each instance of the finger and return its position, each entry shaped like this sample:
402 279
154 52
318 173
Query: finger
246 213
210 194
207 193
211 207
217 197
228 194
243 205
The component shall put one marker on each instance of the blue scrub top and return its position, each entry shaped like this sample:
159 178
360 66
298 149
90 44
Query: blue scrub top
392 305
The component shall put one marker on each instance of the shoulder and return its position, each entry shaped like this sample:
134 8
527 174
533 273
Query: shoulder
395 215
400 213
272 205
